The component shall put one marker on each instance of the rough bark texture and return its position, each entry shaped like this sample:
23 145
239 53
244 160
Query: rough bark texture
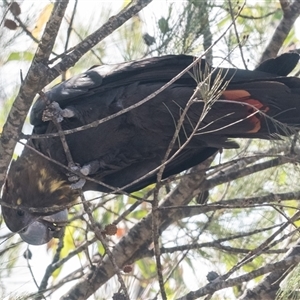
290 14
35 80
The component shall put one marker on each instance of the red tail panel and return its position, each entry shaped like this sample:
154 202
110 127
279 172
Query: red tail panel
254 106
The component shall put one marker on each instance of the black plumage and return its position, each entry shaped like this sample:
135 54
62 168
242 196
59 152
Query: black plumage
263 103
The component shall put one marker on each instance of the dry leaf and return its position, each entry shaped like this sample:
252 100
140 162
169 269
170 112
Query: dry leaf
10 24
42 20
15 8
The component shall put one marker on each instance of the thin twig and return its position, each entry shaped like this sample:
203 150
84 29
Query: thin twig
31 272
94 226
69 31
49 270
143 101
258 250
101 238
237 34
218 284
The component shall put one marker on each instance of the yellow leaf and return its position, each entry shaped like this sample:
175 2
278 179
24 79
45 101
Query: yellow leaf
126 3
42 20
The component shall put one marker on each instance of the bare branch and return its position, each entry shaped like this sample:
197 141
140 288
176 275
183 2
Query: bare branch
268 287
89 42
290 14
129 248
219 285
35 80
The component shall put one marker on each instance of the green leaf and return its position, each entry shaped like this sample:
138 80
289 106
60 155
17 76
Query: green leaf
23 55
163 25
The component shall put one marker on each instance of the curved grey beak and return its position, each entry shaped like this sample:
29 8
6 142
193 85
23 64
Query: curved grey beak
43 229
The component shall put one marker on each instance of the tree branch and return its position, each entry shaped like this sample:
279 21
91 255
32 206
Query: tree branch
129 248
290 14
268 287
34 81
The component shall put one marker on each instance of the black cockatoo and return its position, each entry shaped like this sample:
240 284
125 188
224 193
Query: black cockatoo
222 104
